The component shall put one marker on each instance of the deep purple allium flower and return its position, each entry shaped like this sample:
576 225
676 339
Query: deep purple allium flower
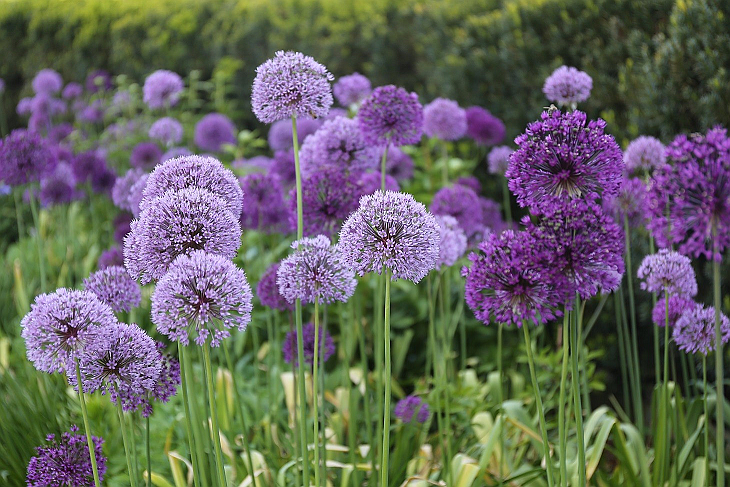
203 295
177 223
410 408
328 197
203 172
668 271
175 152
85 164
452 243
162 89
677 306
24 157
390 231
630 202
110 257
263 203
371 182
568 86
645 154
399 164
352 89
470 182
291 85
214 130
694 331
268 293
58 187
391 114
23 107
289 347
462 203
114 287
122 226
498 159
47 81
145 155
483 127
167 130
338 144
98 80
72 90
92 113
283 166
315 270
123 186
444 119
562 157
66 462
103 179
46 106
60 325
63 154
280 134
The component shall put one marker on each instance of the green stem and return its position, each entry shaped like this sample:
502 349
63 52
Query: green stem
436 352
707 420
383 162
576 386
133 436
500 400
561 405
445 167
386 406
442 364
664 420
379 379
19 214
321 418
365 396
315 392
657 356
634 340
621 349
123 427
39 239
237 397
85 415
214 416
149 456
188 416
719 381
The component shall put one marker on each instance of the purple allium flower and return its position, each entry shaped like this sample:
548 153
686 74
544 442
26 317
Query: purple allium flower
136 193
98 80
498 159
203 295
85 164
167 130
399 164
175 152
338 144
567 86
491 213
677 306
470 182
452 243
72 90
66 462
60 132
24 157
390 231
145 155
283 166
328 197
562 157
103 179
23 107
46 106
122 189
644 154
694 331
352 89
91 113
280 134
60 325
110 257
483 127
410 408
336 112
58 187
315 270
162 89
462 203
178 223
668 271
114 287
203 172
444 119
47 81
122 226
63 154
214 130
391 115
291 85
268 293
255 162
121 100
629 202
371 182
289 347
263 203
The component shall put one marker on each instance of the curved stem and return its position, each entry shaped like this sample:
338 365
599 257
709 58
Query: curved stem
561 405
123 427
575 377
214 416
85 415
315 392
386 406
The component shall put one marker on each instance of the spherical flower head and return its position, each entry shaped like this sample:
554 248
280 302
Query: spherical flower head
122 226
399 164
175 152
58 187
371 182
167 130
98 80
498 159
66 462
338 144
452 243
668 271
563 157
72 90
162 89
470 182
255 162
114 287
391 115
568 86
390 231
268 293
483 127
201 298
677 306
491 219
214 130
289 347
110 257
444 119
694 331
46 106
291 85
47 81
24 157
352 89
123 186
103 179
315 270
263 203
23 107
283 166
91 113
145 155
644 154
412 408
328 197
59 133
194 172
85 164
60 325
630 202
280 134
460 202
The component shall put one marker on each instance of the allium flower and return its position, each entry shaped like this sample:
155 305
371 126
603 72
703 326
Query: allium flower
121 100
263 203
103 179
24 157
268 293
202 296
483 127
194 172
352 89
412 408
336 112
390 231
66 462
72 90
630 202
114 287
23 107
452 243
644 154
255 162
462 203
338 144
58 187
315 270
498 159
291 85
175 152
668 271
391 114
123 186
136 193
85 164
491 213
328 197
470 182
214 130
289 347
122 226
371 182
677 306
91 113
162 89
98 80
694 331
167 130
280 134
444 119
562 157
145 155
110 257
176 223
60 325
399 164
283 166
567 86
47 81
60 132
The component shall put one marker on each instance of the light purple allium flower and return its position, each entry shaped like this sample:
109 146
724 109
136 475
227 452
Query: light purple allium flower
444 119
58 187
452 243
462 203
91 113
114 287
175 152
399 164
392 232
412 408
668 271
145 155
60 132
23 107
47 81
66 462
483 127
391 115
268 293
315 270
498 159
291 85
336 112
255 162
338 144
567 86
470 182
561 157
371 182
328 197
694 331
167 130
98 80
289 347
629 202
46 106
202 296
203 172
123 187
214 130
110 257
352 89
24 157
280 134
60 325
263 204
72 90
136 193
283 166
162 89
122 226
677 306
644 153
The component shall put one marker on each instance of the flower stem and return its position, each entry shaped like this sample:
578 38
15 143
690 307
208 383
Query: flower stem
383 163
19 214
442 363
125 440
707 420
188 417
719 381
85 414
386 406
436 353
315 392
237 397
576 386
500 399
639 407
561 404
133 436
149 456
39 240
214 416
621 348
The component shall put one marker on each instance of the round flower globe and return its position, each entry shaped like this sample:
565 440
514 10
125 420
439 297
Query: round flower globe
498 159
444 119
167 130
213 131
568 86
289 347
391 115
114 287
338 144
352 89
644 153
162 89
483 127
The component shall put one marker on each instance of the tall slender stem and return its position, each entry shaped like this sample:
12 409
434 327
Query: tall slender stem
575 377
85 415
634 339
707 419
378 301
621 349
500 400
719 380
19 214
386 406
445 167
657 357
39 240
383 162
246 445
561 404
148 450
315 392
214 416
123 427
133 436
442 363
188 416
